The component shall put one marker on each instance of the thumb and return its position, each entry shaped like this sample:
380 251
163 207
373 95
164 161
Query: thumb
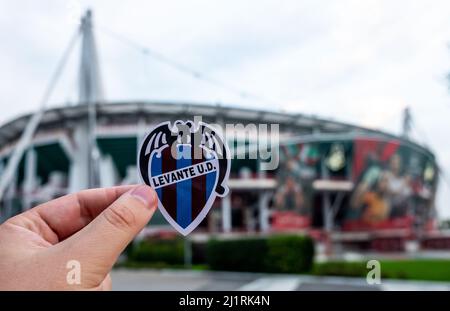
98 245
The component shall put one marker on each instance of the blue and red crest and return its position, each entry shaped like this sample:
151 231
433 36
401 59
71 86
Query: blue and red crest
188 166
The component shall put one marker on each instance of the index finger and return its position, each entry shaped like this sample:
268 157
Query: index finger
70 213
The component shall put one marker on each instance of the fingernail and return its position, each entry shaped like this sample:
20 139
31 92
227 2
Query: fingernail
143 193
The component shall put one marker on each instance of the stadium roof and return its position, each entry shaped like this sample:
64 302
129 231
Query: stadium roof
119 113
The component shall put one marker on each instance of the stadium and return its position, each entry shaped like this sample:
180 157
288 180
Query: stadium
327 167
350 187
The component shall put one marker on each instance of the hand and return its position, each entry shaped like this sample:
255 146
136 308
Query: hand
91 227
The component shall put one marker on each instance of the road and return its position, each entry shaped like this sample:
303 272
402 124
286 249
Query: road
186 280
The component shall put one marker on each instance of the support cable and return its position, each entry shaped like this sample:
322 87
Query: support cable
33 122
183 68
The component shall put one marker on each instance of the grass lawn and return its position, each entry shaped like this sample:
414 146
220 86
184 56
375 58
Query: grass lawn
411 269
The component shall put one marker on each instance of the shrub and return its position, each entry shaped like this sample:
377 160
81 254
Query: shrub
158 251
290 254
281 254
199 253
237 255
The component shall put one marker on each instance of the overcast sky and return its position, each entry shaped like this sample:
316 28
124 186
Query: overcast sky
355 61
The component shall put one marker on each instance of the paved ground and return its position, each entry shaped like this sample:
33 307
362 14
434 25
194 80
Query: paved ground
184 280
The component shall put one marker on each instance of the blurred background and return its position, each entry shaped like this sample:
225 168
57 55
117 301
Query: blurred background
360 92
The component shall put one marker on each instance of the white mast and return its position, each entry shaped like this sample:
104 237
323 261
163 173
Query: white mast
90 93
90 89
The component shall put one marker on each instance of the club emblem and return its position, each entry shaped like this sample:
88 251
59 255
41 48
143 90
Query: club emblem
188 166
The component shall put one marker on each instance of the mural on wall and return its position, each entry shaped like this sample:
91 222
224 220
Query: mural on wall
394 184
292 200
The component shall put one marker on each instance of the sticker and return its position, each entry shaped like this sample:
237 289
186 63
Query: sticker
188 165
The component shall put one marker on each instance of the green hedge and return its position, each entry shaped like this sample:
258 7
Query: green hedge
237 255
290 254
280 254
167 252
